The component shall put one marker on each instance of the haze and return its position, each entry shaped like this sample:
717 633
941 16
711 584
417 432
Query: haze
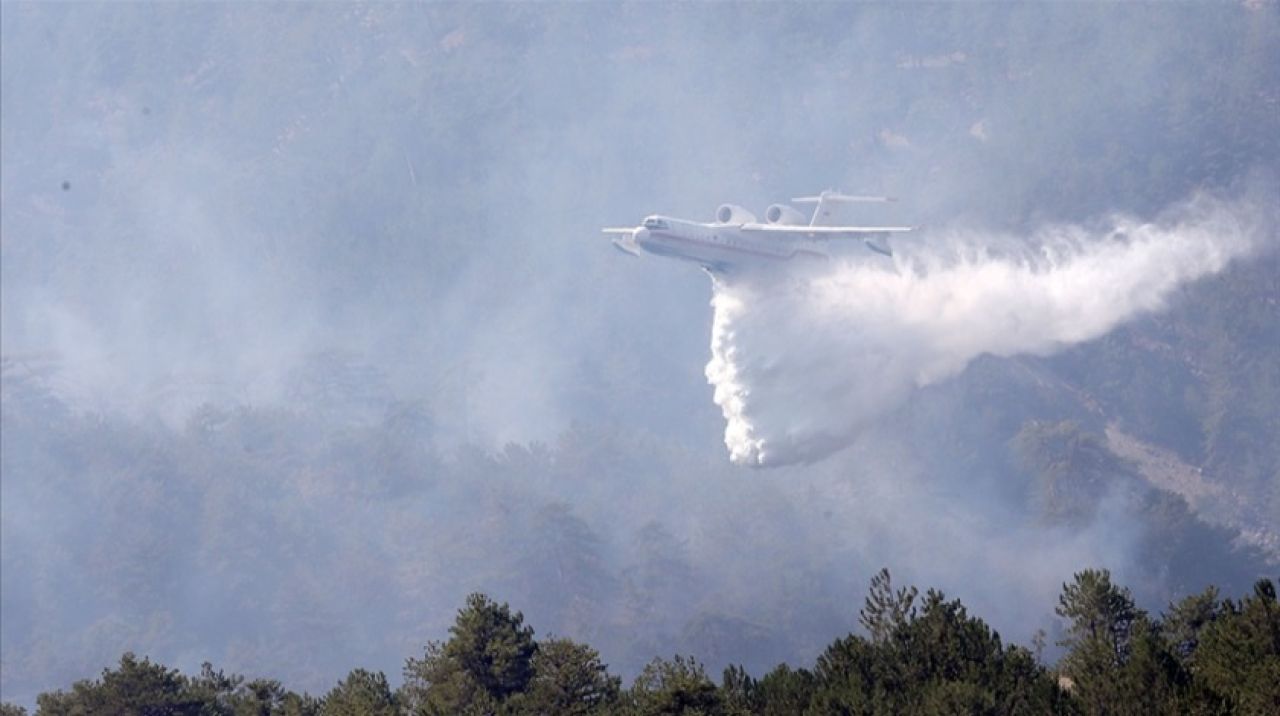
309 329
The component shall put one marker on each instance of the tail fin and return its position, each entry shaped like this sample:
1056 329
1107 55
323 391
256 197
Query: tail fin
821 212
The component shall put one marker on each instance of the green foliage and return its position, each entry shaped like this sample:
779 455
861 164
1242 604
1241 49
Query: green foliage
847 673
7 709
1204 657
1186 620
1239 652
675 687
135 688
488 659
266 697
362 693
738 690
784 691
568 678
1099 613
956 697
144 688
1150 679
930 659
886 610
1100 620
781 691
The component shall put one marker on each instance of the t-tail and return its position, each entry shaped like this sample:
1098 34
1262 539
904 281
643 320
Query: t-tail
822 211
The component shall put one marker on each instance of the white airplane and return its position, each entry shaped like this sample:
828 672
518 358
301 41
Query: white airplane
735 240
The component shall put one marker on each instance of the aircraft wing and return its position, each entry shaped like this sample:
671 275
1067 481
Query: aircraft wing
624 240
867 234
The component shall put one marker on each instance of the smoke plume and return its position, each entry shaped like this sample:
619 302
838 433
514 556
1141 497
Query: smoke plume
802 363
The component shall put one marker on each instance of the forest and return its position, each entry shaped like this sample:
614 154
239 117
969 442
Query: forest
917 653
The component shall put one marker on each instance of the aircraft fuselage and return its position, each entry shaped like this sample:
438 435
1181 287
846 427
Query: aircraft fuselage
718 247
736 240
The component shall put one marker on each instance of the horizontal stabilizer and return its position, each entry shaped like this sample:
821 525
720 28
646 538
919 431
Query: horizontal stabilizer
827 232
822 203
843 198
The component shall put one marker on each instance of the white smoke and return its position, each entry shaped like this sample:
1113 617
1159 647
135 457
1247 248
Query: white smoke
801 363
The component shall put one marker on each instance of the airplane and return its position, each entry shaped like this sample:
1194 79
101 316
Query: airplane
735 240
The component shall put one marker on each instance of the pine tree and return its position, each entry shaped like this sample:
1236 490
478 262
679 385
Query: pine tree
487 659
362 693
1239 652
678 687
568 678
886 610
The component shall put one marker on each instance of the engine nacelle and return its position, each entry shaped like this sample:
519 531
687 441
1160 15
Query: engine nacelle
734 214
783 214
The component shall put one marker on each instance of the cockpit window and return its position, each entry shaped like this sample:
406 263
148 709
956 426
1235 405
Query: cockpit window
654 222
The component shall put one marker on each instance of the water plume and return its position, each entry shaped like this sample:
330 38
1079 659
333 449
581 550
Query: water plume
802 363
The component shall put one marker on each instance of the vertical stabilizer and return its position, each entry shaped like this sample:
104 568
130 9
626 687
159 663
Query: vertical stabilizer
824 201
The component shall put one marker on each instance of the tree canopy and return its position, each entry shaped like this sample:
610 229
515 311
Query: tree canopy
919 655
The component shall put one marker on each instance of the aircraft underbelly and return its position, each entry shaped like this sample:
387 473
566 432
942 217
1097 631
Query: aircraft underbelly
708 253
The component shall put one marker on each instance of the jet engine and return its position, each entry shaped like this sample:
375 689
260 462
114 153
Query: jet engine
783 214
734 214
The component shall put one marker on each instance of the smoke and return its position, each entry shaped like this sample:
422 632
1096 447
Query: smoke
261 265
802 363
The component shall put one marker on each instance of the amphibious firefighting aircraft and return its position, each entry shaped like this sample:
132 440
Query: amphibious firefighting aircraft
735 240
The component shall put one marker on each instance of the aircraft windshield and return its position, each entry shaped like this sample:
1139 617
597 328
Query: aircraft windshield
654 222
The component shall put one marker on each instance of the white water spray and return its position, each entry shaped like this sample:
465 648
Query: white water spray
801 363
